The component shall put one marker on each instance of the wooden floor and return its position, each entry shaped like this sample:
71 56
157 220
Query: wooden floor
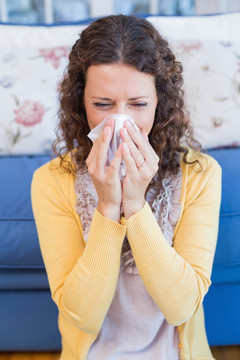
225 352
29 356
220 353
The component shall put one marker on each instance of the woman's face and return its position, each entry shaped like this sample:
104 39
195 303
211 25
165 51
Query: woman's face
120 89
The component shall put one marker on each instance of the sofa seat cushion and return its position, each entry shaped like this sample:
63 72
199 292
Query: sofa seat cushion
21 264
19 247
23 279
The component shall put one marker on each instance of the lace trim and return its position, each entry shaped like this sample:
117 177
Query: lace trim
165 206
86 200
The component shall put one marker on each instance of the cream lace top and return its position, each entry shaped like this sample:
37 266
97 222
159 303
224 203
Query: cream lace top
134 327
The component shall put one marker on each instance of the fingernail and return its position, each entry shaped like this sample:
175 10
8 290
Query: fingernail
124 131
129 124
124 146
108 122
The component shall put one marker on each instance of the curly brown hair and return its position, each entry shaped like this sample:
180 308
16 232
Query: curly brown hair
133 41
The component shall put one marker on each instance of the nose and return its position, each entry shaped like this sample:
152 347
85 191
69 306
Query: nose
120 109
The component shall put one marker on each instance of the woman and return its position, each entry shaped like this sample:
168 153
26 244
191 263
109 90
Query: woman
128 261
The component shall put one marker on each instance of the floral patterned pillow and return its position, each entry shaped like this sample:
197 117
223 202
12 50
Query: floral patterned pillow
212 90
31 68
209 49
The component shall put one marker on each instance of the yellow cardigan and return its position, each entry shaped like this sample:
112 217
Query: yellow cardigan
83 277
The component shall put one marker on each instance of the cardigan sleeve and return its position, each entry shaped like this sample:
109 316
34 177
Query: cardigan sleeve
82 278
178 277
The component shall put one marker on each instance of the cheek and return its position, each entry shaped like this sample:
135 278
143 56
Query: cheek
149 120
93 117
149 126
90 117
145 122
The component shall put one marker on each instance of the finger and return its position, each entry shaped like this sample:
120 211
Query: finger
128 159
145 135
136 154
141 142
137 138
102 150
110 122
114 167
95 148
151 148
97 158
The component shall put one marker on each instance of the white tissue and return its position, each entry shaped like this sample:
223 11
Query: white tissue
116 138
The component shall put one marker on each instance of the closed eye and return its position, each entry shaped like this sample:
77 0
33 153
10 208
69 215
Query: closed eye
101 105
139 104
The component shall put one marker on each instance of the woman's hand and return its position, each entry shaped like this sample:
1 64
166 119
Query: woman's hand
106 178
141 164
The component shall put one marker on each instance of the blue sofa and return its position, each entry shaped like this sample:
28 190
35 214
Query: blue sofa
28 316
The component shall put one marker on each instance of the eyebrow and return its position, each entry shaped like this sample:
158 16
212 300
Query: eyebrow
132 99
